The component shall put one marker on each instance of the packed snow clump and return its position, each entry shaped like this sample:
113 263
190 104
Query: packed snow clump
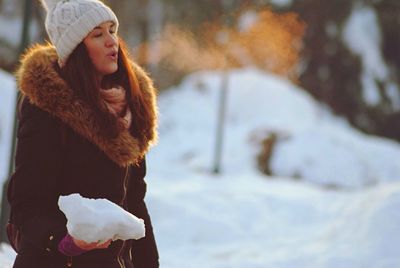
93 220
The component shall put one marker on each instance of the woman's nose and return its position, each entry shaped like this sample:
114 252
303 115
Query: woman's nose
111 40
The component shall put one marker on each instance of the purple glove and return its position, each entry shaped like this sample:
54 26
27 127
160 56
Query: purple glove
68 247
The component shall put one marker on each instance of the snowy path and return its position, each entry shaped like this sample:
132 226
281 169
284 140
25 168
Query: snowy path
260 223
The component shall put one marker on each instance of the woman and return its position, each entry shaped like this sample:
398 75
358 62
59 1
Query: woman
87 118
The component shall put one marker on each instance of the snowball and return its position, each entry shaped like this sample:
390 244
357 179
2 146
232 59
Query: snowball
93 220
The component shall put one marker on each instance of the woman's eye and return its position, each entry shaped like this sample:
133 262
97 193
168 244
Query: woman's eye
112 32
97 35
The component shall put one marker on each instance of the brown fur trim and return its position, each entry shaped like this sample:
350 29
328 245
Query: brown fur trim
39 81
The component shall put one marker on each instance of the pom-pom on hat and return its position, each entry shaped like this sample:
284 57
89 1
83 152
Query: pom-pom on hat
68 22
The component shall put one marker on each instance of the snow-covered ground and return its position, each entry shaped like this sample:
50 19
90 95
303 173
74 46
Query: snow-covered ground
242 218
248 221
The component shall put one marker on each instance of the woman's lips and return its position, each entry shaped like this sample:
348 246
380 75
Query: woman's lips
113 56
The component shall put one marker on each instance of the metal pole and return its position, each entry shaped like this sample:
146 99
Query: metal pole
5 208
222 99
221 122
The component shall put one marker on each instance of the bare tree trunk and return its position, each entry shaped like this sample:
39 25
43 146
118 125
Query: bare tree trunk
143 22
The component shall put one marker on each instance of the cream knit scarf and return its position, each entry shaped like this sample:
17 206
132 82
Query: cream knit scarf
115 100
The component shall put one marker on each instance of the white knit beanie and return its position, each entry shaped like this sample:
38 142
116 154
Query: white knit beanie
68 22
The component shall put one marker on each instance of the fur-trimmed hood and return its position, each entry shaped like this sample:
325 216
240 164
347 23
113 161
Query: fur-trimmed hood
38 80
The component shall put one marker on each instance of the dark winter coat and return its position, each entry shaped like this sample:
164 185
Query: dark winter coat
60 151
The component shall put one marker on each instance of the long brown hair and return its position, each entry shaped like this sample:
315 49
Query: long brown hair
80 73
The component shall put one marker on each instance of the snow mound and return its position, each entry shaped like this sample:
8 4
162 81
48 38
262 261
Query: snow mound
95 220
331 155
313 144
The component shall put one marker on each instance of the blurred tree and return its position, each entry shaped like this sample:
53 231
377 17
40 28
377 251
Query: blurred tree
192 13
388 14
333 73
10 50
11 8
143 31
5 207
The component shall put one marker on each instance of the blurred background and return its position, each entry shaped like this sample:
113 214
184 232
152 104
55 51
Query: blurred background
344 53
279 127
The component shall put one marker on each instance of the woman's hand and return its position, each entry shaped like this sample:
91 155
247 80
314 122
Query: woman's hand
89 246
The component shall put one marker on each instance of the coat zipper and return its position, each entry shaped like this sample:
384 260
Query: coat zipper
69 261
119 259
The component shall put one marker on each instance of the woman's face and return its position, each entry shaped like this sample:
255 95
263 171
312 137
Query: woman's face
102 46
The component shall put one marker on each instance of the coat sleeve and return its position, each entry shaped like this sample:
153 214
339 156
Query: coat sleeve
144 250
33 193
